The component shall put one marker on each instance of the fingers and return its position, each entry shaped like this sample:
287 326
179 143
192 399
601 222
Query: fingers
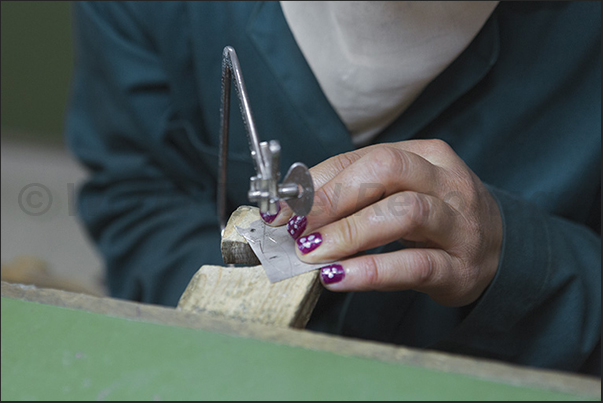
426 270
321 174
363 176
411 216
377 174
330 168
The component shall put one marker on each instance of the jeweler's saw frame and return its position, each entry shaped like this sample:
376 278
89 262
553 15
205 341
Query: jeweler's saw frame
297 188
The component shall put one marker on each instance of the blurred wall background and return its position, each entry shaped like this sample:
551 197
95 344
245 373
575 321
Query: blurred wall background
42 239
36 68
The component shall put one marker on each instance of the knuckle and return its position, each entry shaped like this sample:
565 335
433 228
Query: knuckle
370 270
466 194
349 234
388 163
419 211
325 196
326 170
423 269
440 146
342 161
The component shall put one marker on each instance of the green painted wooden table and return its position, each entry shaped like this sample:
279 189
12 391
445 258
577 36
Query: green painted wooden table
63 346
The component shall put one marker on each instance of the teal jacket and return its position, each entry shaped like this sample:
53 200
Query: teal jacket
521 105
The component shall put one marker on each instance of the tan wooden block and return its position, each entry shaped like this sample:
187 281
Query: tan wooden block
245 294
235 249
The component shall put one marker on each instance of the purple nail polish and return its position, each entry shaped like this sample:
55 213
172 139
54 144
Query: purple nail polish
296 226
269 217
332 273
308 243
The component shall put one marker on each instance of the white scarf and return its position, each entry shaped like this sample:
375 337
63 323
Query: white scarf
373 58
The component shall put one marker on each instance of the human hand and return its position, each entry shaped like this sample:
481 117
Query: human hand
418 192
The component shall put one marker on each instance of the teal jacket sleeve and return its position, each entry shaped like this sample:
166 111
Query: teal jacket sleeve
544 306
542 309
152 217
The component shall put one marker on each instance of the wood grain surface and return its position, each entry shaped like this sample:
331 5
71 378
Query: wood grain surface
245 293
235 249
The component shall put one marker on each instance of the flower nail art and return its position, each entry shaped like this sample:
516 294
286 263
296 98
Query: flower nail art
268 218
308 243
296 226
332 273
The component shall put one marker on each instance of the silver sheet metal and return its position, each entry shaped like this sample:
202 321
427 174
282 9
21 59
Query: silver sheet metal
275 249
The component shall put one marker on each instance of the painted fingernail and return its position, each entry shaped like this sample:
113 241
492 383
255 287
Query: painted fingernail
269 217
296 226
308 243
332 273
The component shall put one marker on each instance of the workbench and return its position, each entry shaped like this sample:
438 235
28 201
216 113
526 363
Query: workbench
58 345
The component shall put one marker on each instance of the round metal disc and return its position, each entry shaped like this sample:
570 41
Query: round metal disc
300 175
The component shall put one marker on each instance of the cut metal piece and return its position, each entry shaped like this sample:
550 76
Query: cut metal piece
275 249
